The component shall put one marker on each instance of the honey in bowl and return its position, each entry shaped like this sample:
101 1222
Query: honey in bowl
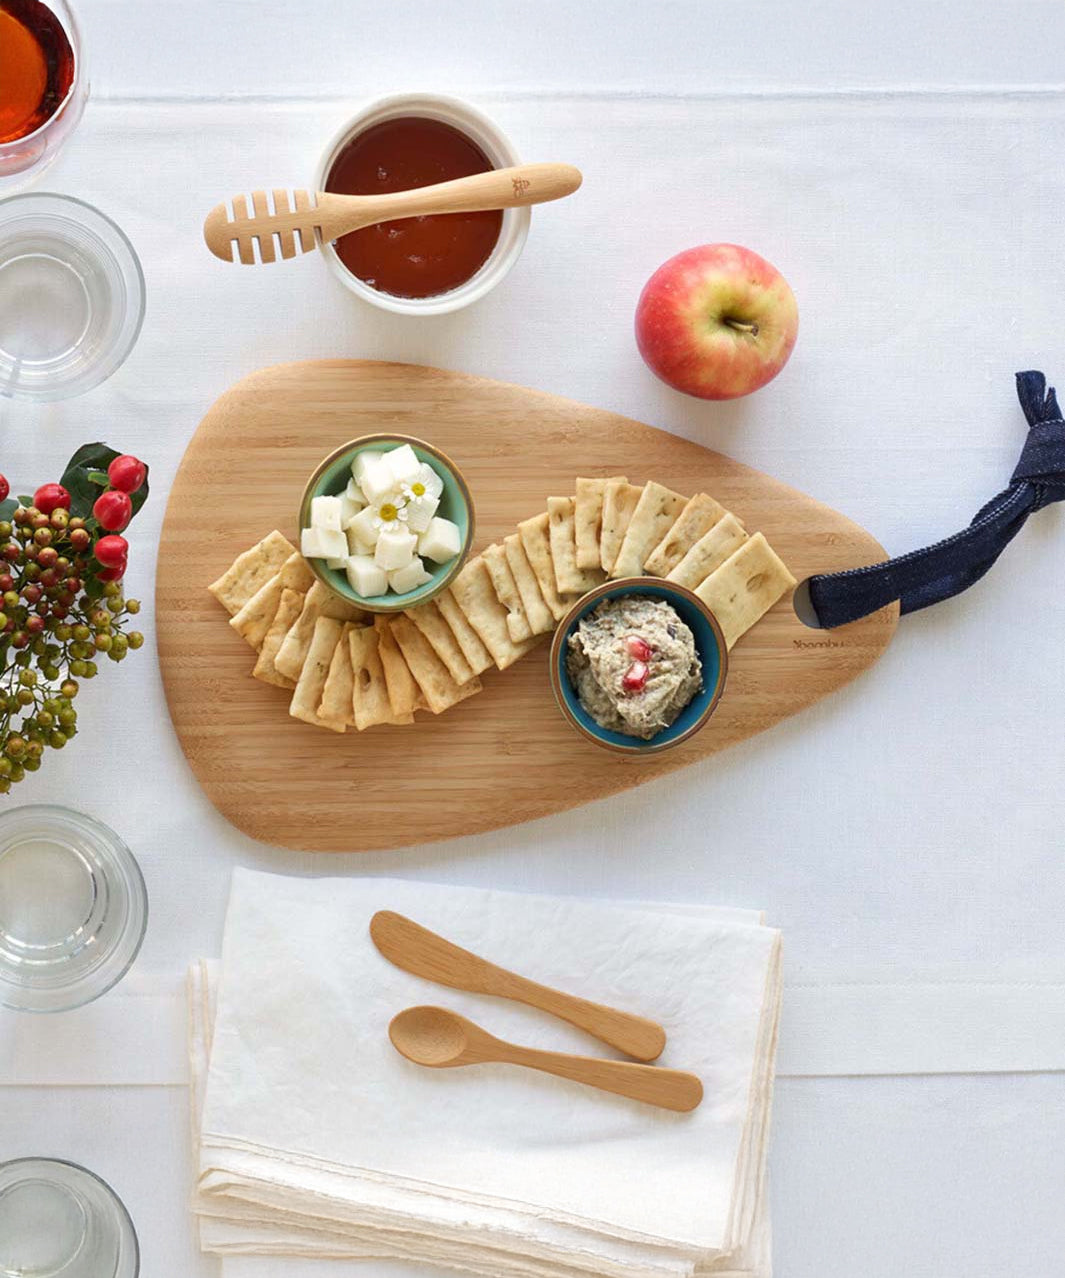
415 256
36 67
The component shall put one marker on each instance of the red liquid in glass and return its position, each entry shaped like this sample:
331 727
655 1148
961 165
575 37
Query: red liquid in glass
416 256
36 67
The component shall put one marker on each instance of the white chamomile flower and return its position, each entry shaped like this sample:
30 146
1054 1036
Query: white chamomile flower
427 483
390 515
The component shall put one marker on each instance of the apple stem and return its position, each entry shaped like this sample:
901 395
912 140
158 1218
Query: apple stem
742 327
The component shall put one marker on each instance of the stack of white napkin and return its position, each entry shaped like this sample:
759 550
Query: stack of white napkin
316 1139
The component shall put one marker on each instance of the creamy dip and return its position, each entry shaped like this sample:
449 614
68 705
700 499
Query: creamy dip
633 664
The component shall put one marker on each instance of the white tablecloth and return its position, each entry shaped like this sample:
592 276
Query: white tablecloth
904 166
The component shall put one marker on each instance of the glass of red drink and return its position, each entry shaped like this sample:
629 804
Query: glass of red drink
44 83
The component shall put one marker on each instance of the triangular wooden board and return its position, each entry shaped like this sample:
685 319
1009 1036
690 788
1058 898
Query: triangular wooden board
506 755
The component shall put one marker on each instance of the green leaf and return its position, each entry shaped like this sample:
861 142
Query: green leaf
94 587
24 500
8 507
99 477
80 479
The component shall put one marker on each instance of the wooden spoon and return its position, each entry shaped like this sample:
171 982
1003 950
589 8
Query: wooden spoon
331 216
415 949
439 1039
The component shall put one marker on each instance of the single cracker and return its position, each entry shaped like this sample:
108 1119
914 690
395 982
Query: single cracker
254 619
370 703
655 514
745 587
541 618
404 695
477 655
619 501
308 695
288 610
430 621
588 516
473 593
440 691
336 710
536 542
709 552
319 601
560 526
506 588
251 571
694 521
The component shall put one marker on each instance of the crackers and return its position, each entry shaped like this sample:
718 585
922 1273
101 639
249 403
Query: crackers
588 518
315 671
709 552
439 690
536 542
473 592
745 587
443 641
255 618
288 611
506 588
696 519
561 527
541 618
369 692
251 571
655 514
619 501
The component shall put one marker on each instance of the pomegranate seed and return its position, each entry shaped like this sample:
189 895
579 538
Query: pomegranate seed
639 649
635 678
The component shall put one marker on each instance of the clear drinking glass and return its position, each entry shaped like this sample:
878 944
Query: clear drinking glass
58 1220
73 909
23 160
71 296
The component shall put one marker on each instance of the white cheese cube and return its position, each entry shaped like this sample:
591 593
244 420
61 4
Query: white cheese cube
354 493
361 462
404 464
420 512
378 482
362 526
339 564
364 576
394 549
356 546
325 513
441 541
349 508
429 480
323 543
409 578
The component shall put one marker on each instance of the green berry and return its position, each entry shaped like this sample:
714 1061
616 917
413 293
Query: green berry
82 633
27 678
103 643
69 689
15 747
112 590
90 669
24 697
58 740
67 717
133 606
77 668
135 639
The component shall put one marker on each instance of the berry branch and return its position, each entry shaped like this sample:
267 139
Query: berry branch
61 605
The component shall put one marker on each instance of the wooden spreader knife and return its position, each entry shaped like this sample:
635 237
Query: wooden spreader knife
417 950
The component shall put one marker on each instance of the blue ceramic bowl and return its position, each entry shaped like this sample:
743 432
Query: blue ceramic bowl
709 643
456 504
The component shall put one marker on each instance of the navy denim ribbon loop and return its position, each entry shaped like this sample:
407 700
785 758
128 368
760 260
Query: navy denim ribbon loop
925 577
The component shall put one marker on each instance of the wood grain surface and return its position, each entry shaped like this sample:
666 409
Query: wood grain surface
506 755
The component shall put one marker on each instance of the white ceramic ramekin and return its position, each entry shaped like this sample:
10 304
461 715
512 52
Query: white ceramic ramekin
492 142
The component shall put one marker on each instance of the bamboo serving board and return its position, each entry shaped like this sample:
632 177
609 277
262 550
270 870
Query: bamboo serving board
506 755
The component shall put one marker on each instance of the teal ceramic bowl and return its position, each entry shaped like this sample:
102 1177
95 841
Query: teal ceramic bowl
456 504
709 643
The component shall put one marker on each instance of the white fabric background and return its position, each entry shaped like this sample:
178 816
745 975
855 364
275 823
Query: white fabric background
904 166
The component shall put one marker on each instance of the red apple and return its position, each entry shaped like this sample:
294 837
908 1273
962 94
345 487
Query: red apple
716 321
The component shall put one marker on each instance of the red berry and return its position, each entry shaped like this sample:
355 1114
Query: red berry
113 510
35 625
10 552
639 648
5 488
51 497
635 678
79 538
116 573
127 474
112 550
31 593
7 582
47 556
